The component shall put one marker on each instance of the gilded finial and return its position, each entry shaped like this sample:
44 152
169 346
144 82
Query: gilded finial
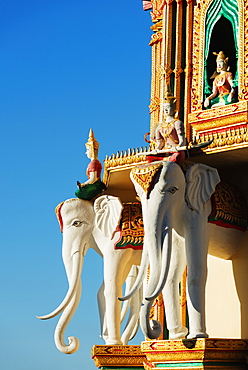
168 96
92 143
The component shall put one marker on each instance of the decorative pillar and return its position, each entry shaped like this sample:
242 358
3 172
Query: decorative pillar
188 66
178 71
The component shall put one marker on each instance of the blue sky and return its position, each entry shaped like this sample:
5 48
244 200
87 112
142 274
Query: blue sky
66 66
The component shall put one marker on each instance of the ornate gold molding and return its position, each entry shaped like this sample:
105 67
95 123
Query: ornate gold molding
186 350
157 26
117 356
157 9
124 159
232 138
219 117
188 66
157 37
178 53
155 102
227 126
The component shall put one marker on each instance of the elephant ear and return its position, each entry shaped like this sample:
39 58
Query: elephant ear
201 181
108 210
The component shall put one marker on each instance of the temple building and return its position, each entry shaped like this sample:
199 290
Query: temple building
199 52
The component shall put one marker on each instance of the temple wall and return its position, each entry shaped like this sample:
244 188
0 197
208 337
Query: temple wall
222 302
227 293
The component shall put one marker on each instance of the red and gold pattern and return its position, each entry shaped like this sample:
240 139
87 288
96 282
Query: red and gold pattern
144 175
229 207
132 228
58 214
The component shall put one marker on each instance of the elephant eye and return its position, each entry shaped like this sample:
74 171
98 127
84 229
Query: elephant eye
77 223
173 190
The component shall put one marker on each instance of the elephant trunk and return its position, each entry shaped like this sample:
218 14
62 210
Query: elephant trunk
74 281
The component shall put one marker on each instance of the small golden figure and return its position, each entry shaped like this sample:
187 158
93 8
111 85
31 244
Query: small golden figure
169 135
93 186
223 88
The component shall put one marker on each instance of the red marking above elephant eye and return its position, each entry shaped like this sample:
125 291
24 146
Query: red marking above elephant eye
59 217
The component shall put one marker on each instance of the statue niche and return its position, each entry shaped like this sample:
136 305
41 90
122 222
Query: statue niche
220 82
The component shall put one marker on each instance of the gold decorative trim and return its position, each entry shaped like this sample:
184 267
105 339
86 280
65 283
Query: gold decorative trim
219 123
229 206
157 313
157 37
217 118
157 26
156 42
188 66
157 9
155 102
210 114
228 139
178 53
144 175
195 350
123 160
183 299
117 355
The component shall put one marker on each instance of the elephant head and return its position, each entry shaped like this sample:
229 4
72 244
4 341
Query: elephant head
167 199
76 218
85 225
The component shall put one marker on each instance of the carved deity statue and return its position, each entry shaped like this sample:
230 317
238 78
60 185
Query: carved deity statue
169 133
93 186
223 88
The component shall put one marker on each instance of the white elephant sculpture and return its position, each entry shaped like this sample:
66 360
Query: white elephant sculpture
176 208
86 225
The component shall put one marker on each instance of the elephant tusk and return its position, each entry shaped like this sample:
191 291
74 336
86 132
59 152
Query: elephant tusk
140 277
166 256
66 316
130 280
75 279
